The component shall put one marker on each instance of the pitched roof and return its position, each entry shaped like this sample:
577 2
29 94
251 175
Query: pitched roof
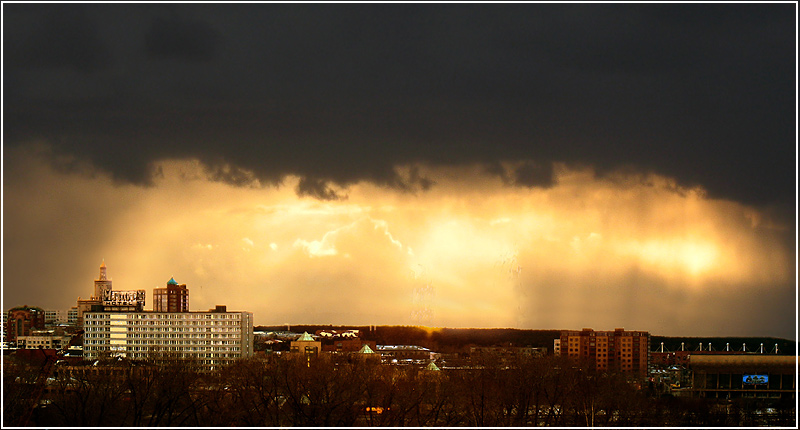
172 281
305 337
366 350
432 366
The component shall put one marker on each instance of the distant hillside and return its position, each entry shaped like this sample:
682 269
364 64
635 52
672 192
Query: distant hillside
451 340
446 340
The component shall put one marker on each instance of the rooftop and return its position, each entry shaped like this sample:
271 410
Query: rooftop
305 337
742 360
401 348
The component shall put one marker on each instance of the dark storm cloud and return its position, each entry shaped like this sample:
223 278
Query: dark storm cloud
342 93
61 37
317 188
530 174
182 39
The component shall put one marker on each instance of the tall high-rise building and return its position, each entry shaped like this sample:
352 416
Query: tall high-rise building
618 350
172 298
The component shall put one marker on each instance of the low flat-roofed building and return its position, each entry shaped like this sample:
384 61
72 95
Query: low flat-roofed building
736 376
677 358
404 353
347 345
506 351
42 341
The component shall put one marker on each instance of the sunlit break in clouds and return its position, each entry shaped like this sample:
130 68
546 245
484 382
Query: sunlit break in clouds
544 166
625 251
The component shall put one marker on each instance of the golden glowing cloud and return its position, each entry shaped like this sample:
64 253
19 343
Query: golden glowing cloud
470 251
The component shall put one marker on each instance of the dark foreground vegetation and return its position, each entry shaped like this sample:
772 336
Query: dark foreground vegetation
339 390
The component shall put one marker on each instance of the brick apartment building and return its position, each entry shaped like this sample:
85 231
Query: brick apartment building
618 350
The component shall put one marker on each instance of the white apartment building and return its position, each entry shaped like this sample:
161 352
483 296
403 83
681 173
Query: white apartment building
214 338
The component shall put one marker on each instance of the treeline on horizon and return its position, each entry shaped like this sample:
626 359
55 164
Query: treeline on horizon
453 340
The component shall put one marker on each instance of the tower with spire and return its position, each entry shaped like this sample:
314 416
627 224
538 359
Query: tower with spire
102 283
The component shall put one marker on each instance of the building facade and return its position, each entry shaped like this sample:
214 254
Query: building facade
72 316
22 320
54 316
505 352
306 344
404 353
618 350
214 338
741 376
43 341
172 298
347 345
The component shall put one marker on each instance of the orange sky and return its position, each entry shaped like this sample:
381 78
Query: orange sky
625 251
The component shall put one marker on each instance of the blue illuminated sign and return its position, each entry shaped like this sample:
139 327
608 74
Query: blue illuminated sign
755 379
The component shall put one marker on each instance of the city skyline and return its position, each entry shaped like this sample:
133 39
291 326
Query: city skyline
528 166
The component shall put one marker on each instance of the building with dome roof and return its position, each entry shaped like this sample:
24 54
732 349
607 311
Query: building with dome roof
172 298
119 327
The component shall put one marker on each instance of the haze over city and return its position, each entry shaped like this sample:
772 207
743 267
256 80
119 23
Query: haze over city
530 166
